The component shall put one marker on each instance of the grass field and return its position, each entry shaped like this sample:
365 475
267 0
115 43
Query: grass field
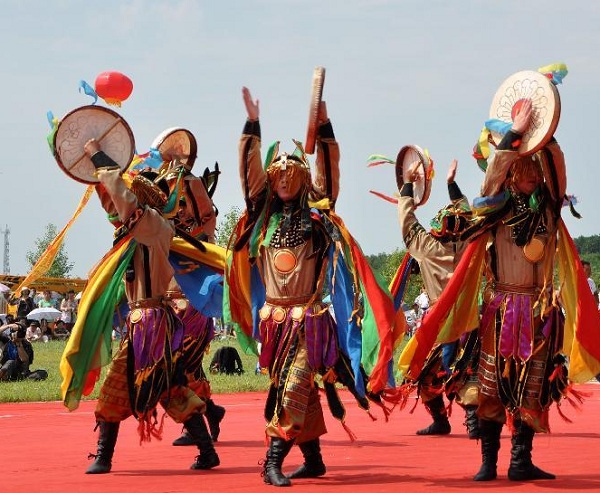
47 356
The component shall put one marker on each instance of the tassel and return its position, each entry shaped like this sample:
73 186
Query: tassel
386 411
398 396
349 431
557 371
563 415
158 432
147 428
415 406
144 426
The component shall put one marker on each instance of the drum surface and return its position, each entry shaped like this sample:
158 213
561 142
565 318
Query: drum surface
82 124
545 100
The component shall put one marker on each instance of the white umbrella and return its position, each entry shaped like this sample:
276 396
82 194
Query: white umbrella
49 313
4 288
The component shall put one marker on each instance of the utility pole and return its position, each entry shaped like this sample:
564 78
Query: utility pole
6 259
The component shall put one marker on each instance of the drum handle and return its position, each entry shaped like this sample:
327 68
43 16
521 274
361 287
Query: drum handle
99 139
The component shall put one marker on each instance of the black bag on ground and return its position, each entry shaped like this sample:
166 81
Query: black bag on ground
38 375
227 360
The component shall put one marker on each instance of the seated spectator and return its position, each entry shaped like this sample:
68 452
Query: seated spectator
17 354
6 328
226 360
24 303
34 332
60 331
46 329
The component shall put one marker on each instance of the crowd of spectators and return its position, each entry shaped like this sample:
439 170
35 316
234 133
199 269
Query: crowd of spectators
62 313
19 331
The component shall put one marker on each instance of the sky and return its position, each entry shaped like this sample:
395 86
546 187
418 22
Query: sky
398 72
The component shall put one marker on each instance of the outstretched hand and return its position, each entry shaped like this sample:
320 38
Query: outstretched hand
452 171
252 106
522 119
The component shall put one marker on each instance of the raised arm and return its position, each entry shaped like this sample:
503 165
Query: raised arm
146 224
252 176
418 241
454 191
507 152
326 182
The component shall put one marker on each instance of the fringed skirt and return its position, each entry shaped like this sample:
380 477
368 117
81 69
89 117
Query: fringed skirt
519 361
155 343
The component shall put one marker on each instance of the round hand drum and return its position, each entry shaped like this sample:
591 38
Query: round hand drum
545 100
82 124
318 82
422 185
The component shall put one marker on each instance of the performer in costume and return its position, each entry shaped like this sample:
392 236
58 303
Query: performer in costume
138 379
195 220
522 326
292 251
438 253
526 329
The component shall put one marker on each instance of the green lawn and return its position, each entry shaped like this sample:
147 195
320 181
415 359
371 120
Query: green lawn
47 356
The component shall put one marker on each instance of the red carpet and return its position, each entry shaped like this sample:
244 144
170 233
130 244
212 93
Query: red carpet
44 449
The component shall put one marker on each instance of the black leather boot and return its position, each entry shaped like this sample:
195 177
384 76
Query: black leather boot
472 422
313 466
521 468
278 450
490 444
440 425
184 440
197 429
214 415
107 439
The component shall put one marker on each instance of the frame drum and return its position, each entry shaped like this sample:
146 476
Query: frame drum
82 124
545 100
422 186
318 82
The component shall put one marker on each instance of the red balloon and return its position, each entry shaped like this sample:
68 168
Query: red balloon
113 87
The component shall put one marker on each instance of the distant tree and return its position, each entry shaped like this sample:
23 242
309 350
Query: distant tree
226 226
588 244
378 262
61 265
